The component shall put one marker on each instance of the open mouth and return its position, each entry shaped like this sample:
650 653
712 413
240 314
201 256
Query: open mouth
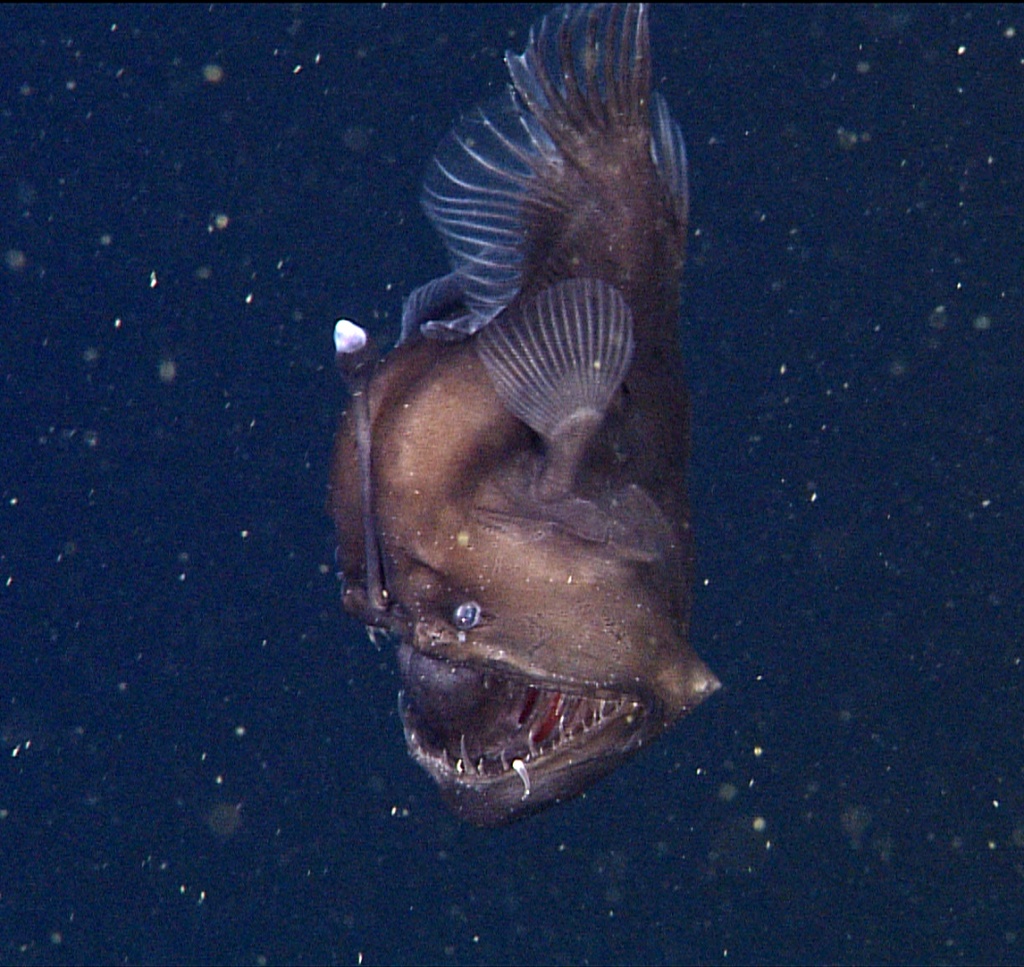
474 724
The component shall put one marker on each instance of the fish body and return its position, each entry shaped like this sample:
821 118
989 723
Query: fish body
509 483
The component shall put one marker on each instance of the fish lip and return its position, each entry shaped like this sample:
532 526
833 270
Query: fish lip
593 724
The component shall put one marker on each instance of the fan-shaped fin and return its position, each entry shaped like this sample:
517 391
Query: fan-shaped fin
556 362
493 189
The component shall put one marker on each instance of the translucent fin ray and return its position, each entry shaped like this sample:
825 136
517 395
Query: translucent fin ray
561 355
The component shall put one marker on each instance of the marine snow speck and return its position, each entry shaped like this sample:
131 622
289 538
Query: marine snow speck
509 483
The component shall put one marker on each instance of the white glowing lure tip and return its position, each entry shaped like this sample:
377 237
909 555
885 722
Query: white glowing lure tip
348 337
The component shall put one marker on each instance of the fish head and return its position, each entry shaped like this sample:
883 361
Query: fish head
538 667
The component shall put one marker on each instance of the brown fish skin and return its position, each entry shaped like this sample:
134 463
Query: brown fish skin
581 654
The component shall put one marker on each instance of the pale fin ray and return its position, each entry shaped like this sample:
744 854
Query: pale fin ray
496 161
556 363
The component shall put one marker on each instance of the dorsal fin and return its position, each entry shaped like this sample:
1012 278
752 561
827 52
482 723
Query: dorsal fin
587 66
556 362
494 190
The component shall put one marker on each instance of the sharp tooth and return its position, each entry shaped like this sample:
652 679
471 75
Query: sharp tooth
532 743
462 748
480 766
520 768
504 762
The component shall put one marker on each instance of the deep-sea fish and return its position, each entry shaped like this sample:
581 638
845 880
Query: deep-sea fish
509 483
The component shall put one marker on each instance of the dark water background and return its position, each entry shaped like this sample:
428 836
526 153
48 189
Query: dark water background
201 756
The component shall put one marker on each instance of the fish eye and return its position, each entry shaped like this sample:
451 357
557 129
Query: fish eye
466 615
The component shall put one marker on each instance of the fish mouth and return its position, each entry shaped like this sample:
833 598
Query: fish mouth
500 746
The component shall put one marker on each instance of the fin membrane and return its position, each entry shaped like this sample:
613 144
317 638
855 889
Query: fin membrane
586 70
473 193
556 362
437 309
627 521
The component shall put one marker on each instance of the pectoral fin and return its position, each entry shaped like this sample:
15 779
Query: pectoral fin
556 363
627 521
